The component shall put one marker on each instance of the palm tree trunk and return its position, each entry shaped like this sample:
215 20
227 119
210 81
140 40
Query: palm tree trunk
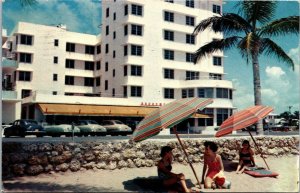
257 91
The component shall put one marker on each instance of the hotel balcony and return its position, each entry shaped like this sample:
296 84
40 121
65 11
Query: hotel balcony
8 95
9 63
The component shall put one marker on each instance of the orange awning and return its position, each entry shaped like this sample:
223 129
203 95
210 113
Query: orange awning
70 109
201 116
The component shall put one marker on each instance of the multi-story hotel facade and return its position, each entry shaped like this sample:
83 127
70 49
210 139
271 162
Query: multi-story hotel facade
142 60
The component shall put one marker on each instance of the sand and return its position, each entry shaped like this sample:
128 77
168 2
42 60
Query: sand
124 180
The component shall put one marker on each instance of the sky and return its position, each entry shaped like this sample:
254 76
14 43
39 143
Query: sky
279 84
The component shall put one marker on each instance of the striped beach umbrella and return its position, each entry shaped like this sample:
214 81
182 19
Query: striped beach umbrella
168 115
243 119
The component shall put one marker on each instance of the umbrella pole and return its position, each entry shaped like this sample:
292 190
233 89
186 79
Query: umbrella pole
258 148
180 142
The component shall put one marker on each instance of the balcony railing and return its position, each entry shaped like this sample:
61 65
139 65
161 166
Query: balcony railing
9 95
9 63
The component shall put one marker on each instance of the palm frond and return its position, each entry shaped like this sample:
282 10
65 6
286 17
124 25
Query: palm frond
25 3
281 26
249 46
253 11
228 24
270 48
216 45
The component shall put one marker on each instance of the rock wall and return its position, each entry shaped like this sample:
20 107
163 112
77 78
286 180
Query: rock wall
34 158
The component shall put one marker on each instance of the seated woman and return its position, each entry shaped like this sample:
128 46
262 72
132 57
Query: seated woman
164 168
213 167
246 157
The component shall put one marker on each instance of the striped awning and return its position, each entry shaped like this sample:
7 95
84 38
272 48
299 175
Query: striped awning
243 119
109 110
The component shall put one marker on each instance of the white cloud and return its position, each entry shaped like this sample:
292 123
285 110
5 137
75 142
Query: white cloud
294 54
274 71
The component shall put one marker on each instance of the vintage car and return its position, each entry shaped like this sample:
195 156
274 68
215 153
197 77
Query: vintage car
115 127
90 127
23 127
62 129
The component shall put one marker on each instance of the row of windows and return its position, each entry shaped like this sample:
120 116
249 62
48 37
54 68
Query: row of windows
202 93
169 16
169 35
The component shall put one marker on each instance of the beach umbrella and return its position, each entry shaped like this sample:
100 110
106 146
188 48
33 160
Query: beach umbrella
243 119
168 116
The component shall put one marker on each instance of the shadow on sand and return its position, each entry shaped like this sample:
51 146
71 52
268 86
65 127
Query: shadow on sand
51 187
149 184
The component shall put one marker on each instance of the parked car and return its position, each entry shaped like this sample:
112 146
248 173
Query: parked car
132 124
62 129
90 127
23 127
115 127
281 127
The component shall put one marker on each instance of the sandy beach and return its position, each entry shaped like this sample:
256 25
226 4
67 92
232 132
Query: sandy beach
124 180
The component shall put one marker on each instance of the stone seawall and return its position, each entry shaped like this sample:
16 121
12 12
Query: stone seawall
34 158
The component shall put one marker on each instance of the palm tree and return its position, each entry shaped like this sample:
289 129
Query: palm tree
249 31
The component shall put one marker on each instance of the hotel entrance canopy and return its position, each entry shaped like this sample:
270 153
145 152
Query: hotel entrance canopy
94 110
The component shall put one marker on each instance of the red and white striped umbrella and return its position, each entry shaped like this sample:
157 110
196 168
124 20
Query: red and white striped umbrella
243 119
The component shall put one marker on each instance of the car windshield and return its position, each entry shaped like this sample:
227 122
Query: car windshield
31 122
118 122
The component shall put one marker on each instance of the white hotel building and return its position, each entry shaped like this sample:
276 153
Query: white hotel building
142 59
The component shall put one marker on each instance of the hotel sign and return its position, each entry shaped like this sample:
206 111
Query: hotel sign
152 104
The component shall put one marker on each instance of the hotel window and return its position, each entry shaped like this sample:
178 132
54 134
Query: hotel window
191 75
222 93
107 30
69 80
168 73
113 92
230 94
98 81
169 16
114 53
24 76
126 10
54 93
189 20
136 30
89 49
114 35
106 66
169 54
125 50
55 59
169 35
125 70
136 91
205 92
114 73
98 65
136 70
70 63
26 39
189 3
106 85
136 10
125 30
25 58
217 61
56 42
222 114
186 93
106 48
25 93
190 39
89 82
54 77
215 76
115 16
98 49
70 47
88 65
217 9
107 12
168 93
207 121
124 91
169 1
136 50
189 57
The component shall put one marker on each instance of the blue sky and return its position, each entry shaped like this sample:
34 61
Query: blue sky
280 85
